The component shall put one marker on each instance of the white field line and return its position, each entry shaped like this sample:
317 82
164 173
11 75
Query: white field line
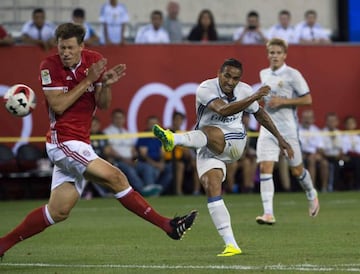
278 267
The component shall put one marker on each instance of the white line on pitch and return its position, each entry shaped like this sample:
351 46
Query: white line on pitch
279 267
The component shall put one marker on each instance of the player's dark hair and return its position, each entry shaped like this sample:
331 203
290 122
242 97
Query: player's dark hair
79 12
38 10
70 30
232 63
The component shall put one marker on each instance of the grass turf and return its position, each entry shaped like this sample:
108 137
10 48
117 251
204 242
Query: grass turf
102 237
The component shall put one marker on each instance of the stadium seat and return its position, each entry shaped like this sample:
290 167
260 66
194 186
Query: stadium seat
27 157
7 160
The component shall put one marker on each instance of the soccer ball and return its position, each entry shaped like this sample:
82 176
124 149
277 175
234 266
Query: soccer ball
20 100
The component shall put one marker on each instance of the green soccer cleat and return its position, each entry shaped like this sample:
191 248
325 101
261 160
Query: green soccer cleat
165 136
230 250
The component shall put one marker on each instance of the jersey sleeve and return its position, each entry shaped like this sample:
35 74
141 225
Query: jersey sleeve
50 76
254 107
206 93
299 84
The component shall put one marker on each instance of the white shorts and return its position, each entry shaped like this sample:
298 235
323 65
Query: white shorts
70 159
234 148
267 149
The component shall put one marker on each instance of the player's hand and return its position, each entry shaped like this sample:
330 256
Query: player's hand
263 91
113 75
275 102
96 69
286 149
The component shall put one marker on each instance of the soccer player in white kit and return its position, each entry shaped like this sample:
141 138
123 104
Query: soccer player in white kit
288 90
220 137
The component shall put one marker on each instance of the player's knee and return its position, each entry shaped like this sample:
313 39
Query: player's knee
117 181
297 171
60 214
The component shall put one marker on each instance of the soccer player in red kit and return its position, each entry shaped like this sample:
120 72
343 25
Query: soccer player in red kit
75 82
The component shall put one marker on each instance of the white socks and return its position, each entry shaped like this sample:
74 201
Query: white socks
194 139
307 184
267 192
221 218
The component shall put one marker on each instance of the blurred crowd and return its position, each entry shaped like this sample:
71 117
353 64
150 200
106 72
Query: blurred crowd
114 18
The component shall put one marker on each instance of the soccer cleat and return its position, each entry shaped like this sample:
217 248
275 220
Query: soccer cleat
165 136
230 250
314 207
266 219
181 224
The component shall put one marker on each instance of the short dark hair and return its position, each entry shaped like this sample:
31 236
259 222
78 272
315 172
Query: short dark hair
38 10
253 14
285 12
70 30
79 12
232 62
308 12
157 12
178 113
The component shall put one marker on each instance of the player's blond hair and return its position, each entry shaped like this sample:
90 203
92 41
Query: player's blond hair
277 42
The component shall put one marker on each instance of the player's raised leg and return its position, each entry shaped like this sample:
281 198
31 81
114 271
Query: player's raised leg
105 173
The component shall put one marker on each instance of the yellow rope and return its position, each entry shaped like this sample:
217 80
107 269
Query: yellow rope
11 139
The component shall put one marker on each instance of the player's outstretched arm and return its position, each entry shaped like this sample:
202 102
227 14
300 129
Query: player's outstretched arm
264 119
224 109
111 76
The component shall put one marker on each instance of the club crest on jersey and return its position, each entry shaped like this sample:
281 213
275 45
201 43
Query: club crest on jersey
45 77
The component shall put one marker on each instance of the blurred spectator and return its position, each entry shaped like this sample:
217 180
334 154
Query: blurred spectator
283 30
172 24
252 32
351 147
333 148
310 32
114 17
153 33
38 31
205 29
5 38
78 17
312 146
124 154
151 164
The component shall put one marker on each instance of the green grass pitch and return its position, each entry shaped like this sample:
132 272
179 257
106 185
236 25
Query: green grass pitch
102 237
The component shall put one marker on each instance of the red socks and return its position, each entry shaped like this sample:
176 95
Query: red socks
134 202
34 223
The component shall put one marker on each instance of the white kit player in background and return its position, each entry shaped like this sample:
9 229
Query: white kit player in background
220 138
288 90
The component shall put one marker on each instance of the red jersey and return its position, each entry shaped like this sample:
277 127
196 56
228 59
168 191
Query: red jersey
75 122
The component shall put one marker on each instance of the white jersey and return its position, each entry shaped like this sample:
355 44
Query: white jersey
114 18
149 35
209 91
285 82
123 146
287 34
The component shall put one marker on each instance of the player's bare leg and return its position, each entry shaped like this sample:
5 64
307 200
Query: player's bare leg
62 200
219 214
103 172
